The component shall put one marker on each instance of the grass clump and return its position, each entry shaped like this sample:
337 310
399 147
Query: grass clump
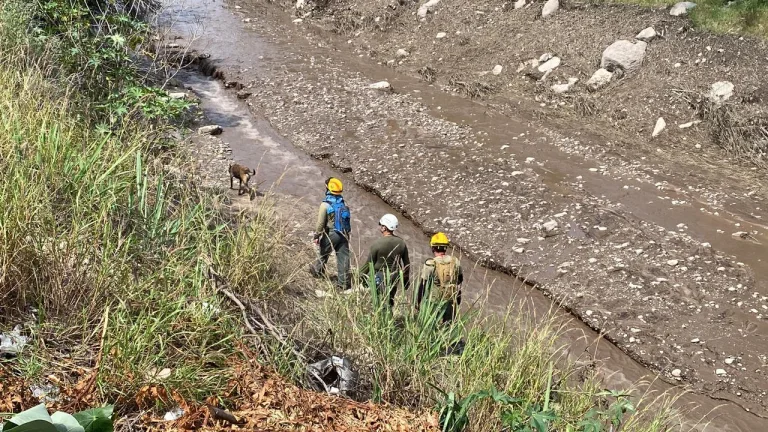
500 372
106 250
722 16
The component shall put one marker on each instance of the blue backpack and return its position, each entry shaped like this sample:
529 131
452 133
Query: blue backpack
342 218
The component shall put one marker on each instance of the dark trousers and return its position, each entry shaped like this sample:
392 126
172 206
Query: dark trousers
338 243
388 287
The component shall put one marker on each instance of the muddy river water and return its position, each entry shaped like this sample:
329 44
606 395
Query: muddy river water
215 28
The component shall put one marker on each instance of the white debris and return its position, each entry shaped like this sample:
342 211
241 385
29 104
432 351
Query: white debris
381 85
677 373
441 35
497 70
173 414
660 126
13 341
682 8
426 8
721 372
672 262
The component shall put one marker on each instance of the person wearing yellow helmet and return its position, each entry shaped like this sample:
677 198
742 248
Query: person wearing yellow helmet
332 233
441 278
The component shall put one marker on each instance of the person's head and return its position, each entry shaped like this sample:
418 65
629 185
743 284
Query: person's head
334 186
388 224
439 243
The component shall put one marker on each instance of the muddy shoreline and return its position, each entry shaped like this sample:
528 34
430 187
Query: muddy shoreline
278 79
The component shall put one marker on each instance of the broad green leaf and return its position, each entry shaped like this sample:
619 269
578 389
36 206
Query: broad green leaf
65 422
96 419
31 426
38 412
540 420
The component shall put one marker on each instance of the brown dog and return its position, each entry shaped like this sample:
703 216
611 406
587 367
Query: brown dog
243 174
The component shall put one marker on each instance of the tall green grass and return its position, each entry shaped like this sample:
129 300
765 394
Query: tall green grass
100 237
412 359
722 16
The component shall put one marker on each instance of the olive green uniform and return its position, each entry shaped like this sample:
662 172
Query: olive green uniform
430 286
388 255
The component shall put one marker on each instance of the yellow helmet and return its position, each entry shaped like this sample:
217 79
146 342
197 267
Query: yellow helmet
439 239
335 186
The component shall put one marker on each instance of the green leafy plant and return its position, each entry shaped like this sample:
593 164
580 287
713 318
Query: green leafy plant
37 419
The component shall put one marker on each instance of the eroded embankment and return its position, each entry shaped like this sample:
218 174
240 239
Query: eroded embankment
487 181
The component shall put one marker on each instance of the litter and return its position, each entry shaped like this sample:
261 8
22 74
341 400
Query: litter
12 342
333 375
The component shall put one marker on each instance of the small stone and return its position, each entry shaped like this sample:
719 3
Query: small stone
682 8
660 126
740 234
550 7
721 372
677 373
523 240
720 92
672 262
177 95
601 78
592 260
562 88
518 250
646 35
729 360
298 21
441 35
381 85
244 94
549 65
695 340
550 226
426 8
589 313
497 70
210 130
519 4
401 53
635 330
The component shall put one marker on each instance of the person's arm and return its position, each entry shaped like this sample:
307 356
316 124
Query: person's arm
406 268
423 284
322 221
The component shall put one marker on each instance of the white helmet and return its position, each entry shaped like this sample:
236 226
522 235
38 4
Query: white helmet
389 221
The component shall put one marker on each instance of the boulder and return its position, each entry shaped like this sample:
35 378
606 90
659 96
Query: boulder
624 55
427 8
210 130
682 8
562 88
720 92
660 126
647 35
599 79
519 4
401 53
497 70
550 65
550 7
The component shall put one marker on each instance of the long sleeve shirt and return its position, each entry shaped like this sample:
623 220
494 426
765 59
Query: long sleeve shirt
389 253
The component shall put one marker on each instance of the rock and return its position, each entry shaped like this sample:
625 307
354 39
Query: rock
695 340
689 124
401 53
549 226
518 250
601 78
677 373
426 8
741 234
660 126
381 85
210 130
647 35
720 92
523 240
519 4
550 7
300 4
672 262
624 55
497 70
244 94
544 57
298 21
562 88
729 360
721 372
177 95
441 35
549 65
682 8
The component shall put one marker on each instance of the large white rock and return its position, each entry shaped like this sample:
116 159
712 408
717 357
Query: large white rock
646 35
624 55
720 92
682 8
601 78
550 7
210 130
660 126
426 8
550 65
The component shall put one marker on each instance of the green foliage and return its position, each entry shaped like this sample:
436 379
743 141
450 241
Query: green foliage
36 419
